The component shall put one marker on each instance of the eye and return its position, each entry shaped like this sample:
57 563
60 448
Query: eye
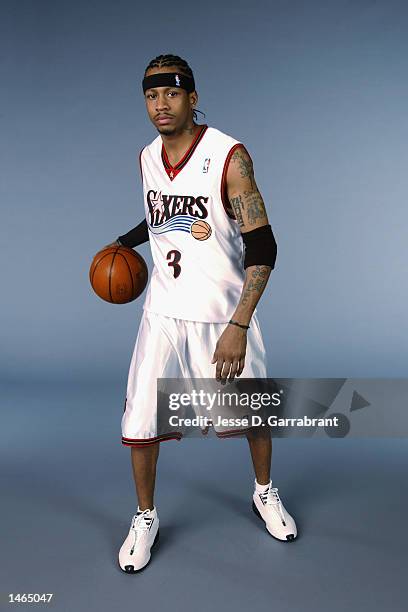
174 92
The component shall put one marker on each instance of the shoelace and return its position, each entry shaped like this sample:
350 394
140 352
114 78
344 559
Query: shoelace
271 497
140 525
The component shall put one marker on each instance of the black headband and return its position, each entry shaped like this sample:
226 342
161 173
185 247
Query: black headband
168 79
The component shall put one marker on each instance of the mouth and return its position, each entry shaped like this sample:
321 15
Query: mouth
164 119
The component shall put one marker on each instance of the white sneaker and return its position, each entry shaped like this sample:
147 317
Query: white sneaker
134 553
269 507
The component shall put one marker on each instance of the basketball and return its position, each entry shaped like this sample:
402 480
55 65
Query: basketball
201 230
118 274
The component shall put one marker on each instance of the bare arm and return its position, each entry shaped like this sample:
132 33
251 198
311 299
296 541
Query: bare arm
249 210
250 213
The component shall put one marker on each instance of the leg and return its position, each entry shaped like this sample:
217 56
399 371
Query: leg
266 502
135 552
260 444
144 462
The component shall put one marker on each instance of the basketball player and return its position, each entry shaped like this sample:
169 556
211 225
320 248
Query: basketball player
213 251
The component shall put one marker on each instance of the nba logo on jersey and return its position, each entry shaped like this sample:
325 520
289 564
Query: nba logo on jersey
206 164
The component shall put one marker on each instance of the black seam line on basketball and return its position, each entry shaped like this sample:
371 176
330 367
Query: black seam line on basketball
130 272
110 273
97 264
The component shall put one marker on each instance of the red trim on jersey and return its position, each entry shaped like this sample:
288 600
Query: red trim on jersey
140 163
224 195
174 170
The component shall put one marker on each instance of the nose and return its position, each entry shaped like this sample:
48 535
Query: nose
162 103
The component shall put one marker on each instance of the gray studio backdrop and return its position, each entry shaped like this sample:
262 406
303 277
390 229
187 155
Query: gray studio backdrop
316 91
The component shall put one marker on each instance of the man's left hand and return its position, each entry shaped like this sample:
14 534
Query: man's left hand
230 353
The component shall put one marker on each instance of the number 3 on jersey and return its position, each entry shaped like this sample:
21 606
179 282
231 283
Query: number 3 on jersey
174 257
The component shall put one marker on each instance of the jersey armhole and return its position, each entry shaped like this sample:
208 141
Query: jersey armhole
224 195
140 163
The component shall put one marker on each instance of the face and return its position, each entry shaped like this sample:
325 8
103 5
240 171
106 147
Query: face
169 108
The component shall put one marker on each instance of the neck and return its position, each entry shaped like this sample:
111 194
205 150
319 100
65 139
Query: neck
180 140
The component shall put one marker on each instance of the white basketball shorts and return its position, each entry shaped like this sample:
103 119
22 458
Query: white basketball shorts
166 347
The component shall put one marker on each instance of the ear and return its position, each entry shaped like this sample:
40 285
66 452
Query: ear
193 98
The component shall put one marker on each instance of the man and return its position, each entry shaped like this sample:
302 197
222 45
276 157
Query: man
213 251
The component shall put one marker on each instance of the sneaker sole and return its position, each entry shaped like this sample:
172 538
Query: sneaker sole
289 538
133 571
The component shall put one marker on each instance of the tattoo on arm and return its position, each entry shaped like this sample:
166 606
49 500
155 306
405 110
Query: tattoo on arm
245 166
255 206
255 284
238 206
250 200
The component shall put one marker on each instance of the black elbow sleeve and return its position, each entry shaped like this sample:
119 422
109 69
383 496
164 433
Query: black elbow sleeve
137 235
260 247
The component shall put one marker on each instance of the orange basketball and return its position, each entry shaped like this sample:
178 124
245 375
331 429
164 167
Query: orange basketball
201 230
118 274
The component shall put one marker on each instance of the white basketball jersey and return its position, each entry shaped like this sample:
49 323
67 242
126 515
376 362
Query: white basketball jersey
196 242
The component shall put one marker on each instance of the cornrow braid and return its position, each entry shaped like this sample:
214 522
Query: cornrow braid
173 60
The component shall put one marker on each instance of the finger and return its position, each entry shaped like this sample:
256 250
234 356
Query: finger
241 366
225 370
234 369
218 368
